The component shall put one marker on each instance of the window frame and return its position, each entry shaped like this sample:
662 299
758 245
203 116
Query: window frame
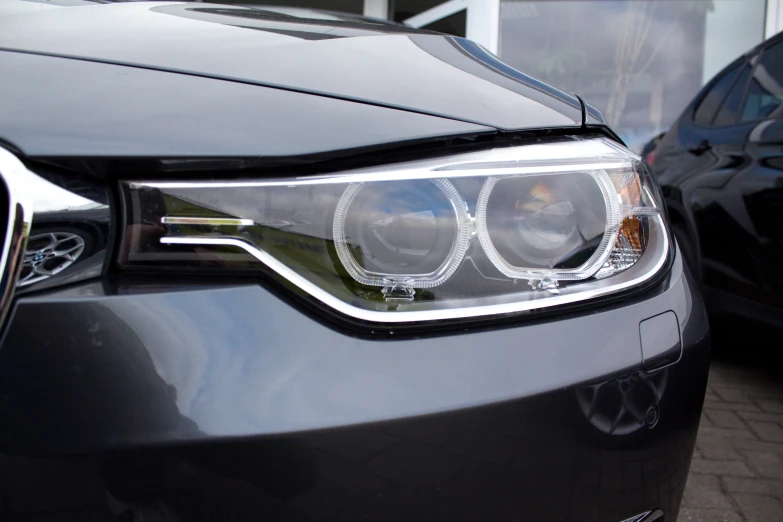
751 63
756 60
737 64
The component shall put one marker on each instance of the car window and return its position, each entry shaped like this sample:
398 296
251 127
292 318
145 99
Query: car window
765 92
709 105
729 110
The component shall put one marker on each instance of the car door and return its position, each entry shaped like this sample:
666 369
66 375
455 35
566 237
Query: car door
734 190
757 190
709 192
698 154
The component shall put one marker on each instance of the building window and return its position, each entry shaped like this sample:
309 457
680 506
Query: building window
640 62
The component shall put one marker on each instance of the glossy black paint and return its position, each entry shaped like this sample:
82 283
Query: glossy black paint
427 73
723 184
485 425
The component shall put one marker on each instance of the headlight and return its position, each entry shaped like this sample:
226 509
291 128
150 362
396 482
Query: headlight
554 224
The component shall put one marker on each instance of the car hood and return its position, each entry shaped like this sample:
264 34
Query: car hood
357 60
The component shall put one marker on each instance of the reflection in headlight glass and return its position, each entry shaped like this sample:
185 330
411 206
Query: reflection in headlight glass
555 221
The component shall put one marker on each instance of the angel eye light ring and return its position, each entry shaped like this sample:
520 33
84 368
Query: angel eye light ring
613 220
430 280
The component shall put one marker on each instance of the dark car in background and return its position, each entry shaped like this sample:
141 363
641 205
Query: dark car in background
721 171
648 151
292 266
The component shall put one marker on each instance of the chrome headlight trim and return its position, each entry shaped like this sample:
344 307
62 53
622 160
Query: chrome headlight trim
639 273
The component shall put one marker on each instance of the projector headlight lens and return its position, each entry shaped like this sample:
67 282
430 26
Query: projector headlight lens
554 223
416 232
557 226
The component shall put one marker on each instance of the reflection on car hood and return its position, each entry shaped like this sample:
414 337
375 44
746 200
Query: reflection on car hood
307 51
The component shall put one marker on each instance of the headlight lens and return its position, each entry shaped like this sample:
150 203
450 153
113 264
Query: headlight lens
558 226
554 223
416 232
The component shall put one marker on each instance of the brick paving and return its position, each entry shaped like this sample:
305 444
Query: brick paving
737 469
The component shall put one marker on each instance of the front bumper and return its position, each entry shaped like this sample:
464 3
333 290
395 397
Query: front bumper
227 403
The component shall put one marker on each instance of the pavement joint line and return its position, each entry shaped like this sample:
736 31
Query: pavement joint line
739 443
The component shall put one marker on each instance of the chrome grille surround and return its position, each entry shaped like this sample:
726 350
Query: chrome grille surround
13 174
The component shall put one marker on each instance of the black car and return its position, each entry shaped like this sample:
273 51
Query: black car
721 170
338 270
648 151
